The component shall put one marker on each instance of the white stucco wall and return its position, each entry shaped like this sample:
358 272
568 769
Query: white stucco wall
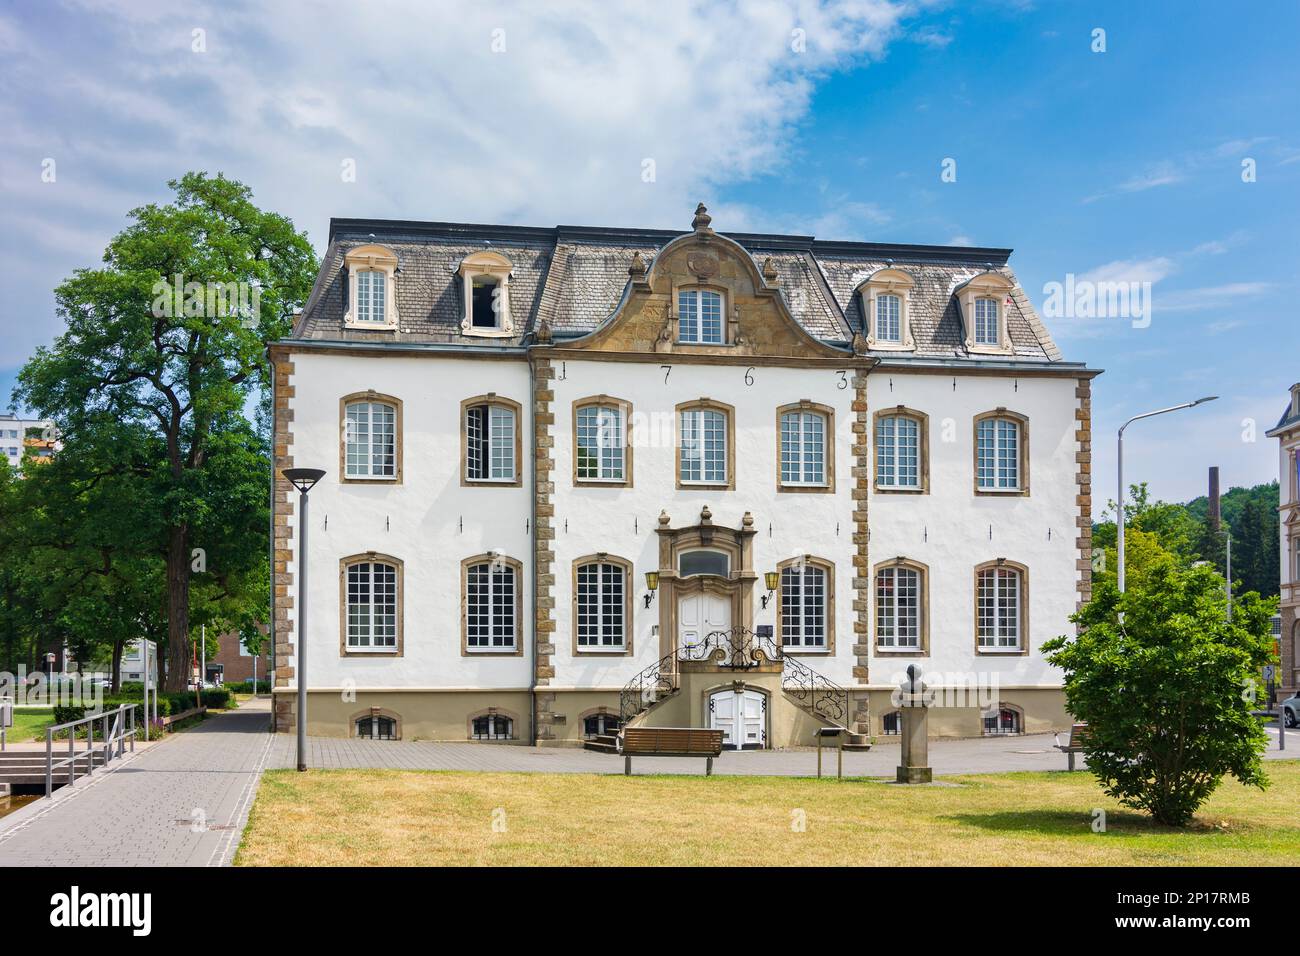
419 520
951 529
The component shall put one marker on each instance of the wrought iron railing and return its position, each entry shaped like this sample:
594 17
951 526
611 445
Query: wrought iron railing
737 647
741 649
821 697
647 688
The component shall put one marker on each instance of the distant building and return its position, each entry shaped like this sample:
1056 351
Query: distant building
233 664
1287 432
19 434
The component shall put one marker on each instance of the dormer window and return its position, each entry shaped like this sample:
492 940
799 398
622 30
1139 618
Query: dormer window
986 322
699 317
983 302
485 278
886 310
371 288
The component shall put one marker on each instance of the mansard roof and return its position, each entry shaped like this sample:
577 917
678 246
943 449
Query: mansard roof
574 278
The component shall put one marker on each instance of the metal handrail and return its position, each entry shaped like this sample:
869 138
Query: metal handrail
122 729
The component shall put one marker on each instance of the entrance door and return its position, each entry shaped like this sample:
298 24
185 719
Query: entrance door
699 615
742 718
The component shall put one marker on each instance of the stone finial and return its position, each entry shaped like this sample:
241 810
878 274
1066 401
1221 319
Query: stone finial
702 219
664 520
543 333
706 516
769 271
859 344
637 269
747 521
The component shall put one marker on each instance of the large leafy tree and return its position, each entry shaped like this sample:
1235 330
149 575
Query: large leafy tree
1166 683
174 367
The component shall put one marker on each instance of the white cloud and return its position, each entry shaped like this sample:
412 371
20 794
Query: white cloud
557 127
1132 270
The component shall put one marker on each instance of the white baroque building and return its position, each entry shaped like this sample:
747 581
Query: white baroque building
578 477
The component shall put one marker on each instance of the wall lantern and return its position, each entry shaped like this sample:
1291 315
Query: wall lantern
651 582
773 580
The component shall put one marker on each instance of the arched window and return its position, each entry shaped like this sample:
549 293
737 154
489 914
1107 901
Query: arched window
492 727
806 447
901 612
891 724
1000 603
371 426
600 447
1001 453
377 727
690 563
889 318
485 290
1002 720
599 725
372 604
602 604
371 278
492 602
805 607
491 441
699 317
705 441
902 448
986 322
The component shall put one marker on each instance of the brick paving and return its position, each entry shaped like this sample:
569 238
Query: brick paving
183 802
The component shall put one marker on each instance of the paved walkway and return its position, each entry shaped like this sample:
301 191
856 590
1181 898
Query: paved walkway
1031 752
182 802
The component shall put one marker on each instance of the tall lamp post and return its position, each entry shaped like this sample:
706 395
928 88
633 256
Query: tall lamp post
1119 506
304 479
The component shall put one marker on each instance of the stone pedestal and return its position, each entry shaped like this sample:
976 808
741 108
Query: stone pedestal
914 763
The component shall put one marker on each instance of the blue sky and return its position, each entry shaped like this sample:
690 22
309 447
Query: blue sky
1121 164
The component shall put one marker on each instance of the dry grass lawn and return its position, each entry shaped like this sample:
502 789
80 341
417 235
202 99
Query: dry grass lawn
396 818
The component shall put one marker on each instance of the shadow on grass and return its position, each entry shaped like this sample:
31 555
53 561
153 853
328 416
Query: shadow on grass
1073 823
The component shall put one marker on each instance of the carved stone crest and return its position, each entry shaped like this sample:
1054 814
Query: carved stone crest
702 264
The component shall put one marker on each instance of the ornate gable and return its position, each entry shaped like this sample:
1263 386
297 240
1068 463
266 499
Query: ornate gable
704 295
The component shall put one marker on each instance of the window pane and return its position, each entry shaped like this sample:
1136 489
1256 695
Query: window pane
600 605
986 322
699 316
475 442
803 448
898 452
600 443
502 422
704 446
703 562
889 323
371 605
710 317
803 607
688 316
898 607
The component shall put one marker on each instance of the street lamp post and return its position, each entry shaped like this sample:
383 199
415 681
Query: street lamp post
304 479
1119 505
1228 537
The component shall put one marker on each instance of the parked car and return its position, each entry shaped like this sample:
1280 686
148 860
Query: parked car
1291 710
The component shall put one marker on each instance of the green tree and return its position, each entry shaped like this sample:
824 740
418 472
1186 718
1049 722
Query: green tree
175 369
1255 547
1168 693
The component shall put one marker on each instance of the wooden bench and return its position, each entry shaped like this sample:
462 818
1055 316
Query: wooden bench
671 742
1077 734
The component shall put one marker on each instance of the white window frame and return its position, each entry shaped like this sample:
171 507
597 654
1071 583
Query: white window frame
367 260
890 445
804 588
887 282
373 443
696 438
998 289
488 616
493 266
894 316
990 627
984 334
610 450
353 634
695 295
583 618
500 445
998 480
894 641
799 449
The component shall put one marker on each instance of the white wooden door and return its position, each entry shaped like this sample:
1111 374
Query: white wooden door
699 615
722 716
753 733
